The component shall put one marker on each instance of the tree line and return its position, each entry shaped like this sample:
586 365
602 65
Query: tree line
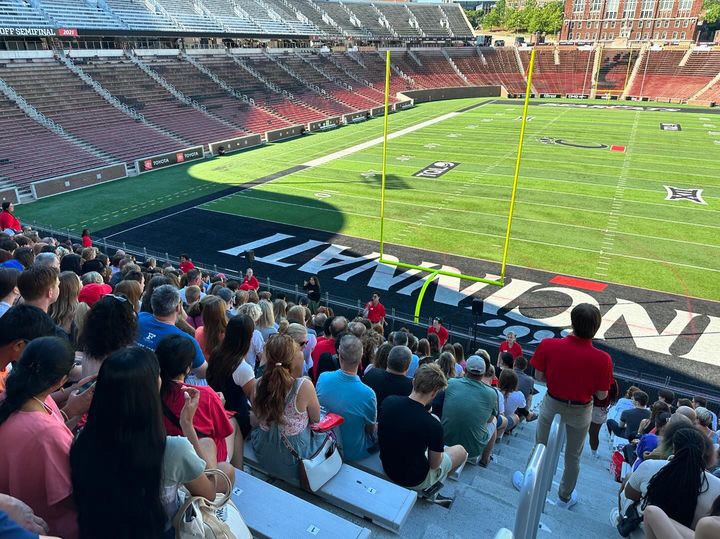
531 18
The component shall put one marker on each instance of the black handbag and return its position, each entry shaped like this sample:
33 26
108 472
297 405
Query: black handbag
630 520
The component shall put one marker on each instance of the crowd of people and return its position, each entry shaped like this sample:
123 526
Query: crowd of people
124 383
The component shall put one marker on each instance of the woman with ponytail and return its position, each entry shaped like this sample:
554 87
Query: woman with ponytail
34 464
680 486
285 406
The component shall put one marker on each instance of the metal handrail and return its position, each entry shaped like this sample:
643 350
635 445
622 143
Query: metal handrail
556 441
528 505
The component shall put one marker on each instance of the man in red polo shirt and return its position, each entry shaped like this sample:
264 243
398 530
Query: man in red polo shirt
250 282
186 264
439 330
374 310
575 372
511 345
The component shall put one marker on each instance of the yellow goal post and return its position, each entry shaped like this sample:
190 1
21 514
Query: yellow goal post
506 244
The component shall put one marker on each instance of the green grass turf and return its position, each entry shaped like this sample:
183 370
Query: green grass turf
116 202
567 196
587 212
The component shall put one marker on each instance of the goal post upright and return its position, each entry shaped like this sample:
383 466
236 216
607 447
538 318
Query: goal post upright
434 272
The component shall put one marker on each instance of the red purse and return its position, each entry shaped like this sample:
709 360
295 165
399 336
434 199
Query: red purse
329 422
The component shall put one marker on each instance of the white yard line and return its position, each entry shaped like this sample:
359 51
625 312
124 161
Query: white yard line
601 270
379 140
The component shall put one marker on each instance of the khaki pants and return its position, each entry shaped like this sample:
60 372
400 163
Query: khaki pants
577 423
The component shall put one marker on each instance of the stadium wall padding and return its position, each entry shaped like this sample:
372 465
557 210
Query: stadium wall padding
284 133
235 144
355 117
178 157
320 125
438 94
78 180
9 195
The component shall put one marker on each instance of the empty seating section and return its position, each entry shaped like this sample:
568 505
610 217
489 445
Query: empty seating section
196 85
311 75
315 17
190 16
661 75
290 17
430 18
269 69
258 15
399 17
61 95
137 16
503 64
31 152
458 23
19 13
242 81
78 14
712 94
433 71
135 88
374 92
337 12
361 97
615 69
572 74
369 18
374 73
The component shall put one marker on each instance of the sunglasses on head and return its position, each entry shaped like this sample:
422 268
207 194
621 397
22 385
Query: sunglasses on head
118 297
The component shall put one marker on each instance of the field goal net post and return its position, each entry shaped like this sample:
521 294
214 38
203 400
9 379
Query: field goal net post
432 273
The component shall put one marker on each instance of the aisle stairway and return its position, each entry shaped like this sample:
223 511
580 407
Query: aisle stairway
485 499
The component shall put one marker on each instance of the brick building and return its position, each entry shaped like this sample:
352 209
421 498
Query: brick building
632 20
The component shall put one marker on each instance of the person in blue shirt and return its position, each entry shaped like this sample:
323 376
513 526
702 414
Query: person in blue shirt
166 306
17 520
343 393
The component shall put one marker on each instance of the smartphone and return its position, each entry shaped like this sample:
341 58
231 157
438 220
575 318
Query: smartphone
87 385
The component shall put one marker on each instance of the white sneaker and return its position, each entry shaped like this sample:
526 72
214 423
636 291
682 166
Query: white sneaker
517 480
568 504
614 517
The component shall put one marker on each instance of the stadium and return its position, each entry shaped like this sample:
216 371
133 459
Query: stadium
385 149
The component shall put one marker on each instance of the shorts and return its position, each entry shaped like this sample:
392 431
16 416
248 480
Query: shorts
599 414
436 475
492 427
511 423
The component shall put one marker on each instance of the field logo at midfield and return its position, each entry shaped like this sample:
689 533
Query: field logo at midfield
678 193
670 127
435 170
562 142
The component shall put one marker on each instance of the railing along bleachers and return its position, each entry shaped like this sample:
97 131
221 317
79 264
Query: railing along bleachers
375 96
138 16
336 11
369 18
289 16
660 74
60 95
429 17
374 73
503 63
78 14
190 16
458 23
196 85
436 65
310 13
32 152
259 16
572 75
398 15
19 13
136 89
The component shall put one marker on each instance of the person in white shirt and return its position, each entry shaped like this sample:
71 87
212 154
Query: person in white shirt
514 399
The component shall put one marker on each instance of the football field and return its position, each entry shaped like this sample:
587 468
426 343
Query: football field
592 197
616 195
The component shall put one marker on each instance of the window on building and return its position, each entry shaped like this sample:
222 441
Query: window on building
587 36
570 36
677 23
640 24
611 7
666 5
578 5
602 36
667 24
674 34
580 24
647 8
638 36
664 35
682 36
611 35
685 5
629 10
595 5
612 24
685 23
597 25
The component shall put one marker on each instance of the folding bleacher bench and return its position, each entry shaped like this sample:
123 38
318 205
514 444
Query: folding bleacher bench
373 465
360 493
259 501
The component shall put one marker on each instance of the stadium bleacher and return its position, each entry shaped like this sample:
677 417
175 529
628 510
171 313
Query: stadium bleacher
674 74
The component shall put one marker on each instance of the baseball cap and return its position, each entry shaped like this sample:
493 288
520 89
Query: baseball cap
92 292
226 294
475 365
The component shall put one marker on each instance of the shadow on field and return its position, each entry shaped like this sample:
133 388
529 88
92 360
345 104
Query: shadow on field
392 181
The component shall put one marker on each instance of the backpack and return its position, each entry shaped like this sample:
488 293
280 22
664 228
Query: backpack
616 465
